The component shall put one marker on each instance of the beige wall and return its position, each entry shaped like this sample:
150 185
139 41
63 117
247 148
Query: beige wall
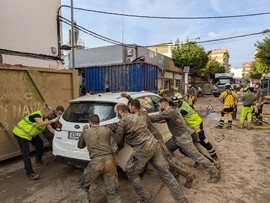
29 26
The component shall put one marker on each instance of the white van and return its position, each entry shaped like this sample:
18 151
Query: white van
77 114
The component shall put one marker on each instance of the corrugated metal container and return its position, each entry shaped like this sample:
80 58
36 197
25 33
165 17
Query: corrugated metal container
27 89
132 77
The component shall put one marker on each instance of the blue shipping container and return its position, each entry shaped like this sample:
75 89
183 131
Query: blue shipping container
132 77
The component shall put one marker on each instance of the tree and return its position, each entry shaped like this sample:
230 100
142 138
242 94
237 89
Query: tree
263 54
189 54
258 68
213 67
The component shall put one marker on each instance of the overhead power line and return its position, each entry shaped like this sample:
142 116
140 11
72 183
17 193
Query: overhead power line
93 34
115 42
234 37
169 17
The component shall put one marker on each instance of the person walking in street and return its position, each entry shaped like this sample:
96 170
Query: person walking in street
192 96
248 100
176 89
47 133
259 104
175 164
133 131
27 130
194 121
182 138
102 149
228 98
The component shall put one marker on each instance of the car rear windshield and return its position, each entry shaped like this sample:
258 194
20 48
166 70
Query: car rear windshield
80 112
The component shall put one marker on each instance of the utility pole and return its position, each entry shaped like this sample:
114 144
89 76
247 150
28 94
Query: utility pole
72 36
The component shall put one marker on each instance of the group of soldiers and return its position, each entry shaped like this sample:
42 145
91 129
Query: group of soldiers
252 104
137 130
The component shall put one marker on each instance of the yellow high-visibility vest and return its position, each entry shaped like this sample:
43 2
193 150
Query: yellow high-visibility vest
27 129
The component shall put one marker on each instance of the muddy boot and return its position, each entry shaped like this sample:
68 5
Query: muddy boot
217 165
241 126
33 176
215 157
189 181
214 178
249 126
229 127
41 163
219 127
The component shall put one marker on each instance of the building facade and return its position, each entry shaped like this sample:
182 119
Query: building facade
29 33
246 68
222 56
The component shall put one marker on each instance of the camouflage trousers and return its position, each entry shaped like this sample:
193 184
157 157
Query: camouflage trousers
184 142
105 166
136 165
176 166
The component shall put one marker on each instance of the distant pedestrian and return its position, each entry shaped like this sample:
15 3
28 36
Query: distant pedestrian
259 104
102 149
247 108
228 98
27 130
192 95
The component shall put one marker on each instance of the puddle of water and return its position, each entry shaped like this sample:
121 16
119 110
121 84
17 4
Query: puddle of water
212 117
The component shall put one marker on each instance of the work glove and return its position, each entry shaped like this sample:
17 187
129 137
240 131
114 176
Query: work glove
55 119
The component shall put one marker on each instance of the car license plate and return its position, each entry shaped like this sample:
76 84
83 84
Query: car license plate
74 135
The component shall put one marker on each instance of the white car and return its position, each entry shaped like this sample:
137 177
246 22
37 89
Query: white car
77 114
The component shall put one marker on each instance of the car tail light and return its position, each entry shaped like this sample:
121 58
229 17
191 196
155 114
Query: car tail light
58 126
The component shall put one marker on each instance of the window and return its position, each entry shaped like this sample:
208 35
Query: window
80 112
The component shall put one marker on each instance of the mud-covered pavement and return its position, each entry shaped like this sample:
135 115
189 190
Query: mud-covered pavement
244 156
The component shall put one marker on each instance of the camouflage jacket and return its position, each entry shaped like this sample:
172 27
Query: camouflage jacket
173 120
132 129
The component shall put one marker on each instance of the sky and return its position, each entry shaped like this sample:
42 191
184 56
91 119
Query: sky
146 32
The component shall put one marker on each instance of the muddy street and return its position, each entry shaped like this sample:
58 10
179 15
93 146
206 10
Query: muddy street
244 156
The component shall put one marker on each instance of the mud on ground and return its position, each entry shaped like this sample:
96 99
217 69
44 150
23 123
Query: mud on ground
244 156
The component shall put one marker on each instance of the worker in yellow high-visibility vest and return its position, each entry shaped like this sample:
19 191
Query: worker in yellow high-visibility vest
27 130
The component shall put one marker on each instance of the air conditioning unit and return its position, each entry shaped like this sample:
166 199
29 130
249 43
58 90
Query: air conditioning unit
129 52
128 60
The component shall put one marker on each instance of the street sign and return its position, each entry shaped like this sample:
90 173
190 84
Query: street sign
186 69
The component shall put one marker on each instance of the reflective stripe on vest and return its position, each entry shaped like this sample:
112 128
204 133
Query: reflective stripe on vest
27 129
192 118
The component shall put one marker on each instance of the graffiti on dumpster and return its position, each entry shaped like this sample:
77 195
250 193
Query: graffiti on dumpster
12 111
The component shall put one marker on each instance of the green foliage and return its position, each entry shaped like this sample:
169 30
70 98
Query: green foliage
189 54
213 67
247 76
258 68
263 55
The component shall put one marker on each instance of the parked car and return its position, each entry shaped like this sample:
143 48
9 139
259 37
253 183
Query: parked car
199 91
77 114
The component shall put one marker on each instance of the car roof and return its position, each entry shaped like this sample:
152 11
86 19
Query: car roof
110 97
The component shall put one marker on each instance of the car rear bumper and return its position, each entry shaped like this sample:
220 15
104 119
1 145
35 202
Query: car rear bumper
73 162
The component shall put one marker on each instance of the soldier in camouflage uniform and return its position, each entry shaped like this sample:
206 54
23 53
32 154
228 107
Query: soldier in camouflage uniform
175 165
133 131
183 139
99 142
